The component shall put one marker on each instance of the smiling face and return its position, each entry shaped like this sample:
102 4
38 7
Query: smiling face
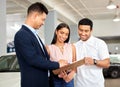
84 32
62 35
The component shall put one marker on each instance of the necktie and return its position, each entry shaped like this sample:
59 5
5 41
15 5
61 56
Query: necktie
44 50
40 42
42 46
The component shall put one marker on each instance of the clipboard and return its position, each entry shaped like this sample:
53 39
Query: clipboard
69 66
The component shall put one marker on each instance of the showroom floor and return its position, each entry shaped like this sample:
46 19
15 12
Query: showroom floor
112 82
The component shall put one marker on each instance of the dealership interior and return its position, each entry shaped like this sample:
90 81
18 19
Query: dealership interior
106 24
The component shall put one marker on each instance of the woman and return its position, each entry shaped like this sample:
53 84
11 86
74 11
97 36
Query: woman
61 49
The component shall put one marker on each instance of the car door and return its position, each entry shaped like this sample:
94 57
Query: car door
9 71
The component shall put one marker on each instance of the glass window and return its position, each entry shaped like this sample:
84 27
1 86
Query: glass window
9 63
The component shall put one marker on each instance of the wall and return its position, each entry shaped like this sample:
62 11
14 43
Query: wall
14 22
106 28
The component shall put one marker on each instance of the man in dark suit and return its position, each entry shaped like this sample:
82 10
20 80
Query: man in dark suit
32 56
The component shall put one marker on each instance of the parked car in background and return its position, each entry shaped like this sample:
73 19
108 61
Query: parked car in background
9 71
114 69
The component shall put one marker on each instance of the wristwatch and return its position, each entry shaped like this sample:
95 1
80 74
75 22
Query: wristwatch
95 61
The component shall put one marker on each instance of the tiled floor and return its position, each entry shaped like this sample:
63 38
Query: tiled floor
112 82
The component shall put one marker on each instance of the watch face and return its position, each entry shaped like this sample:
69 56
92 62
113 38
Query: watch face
95 62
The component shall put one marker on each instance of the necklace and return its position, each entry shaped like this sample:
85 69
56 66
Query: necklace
61 47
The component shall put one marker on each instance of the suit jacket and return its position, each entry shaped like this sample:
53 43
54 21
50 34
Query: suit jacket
34 63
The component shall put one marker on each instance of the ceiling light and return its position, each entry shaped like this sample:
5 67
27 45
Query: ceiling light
117 15
111 5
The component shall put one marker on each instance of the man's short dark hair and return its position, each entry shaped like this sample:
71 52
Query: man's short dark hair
86 21
38 7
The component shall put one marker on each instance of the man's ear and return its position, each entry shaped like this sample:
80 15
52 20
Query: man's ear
91 30
35 15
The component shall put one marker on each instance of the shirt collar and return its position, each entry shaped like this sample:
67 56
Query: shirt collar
30 28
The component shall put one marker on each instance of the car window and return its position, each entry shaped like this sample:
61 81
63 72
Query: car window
115 58
9 63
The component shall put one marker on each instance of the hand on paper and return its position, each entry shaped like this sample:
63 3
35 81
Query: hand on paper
89 61
62 62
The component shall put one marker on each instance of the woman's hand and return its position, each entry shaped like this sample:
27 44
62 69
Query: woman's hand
62 74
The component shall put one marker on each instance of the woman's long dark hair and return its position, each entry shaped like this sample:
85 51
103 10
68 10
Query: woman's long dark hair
60 26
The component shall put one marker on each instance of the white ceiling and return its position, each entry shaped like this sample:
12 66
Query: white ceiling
72 10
